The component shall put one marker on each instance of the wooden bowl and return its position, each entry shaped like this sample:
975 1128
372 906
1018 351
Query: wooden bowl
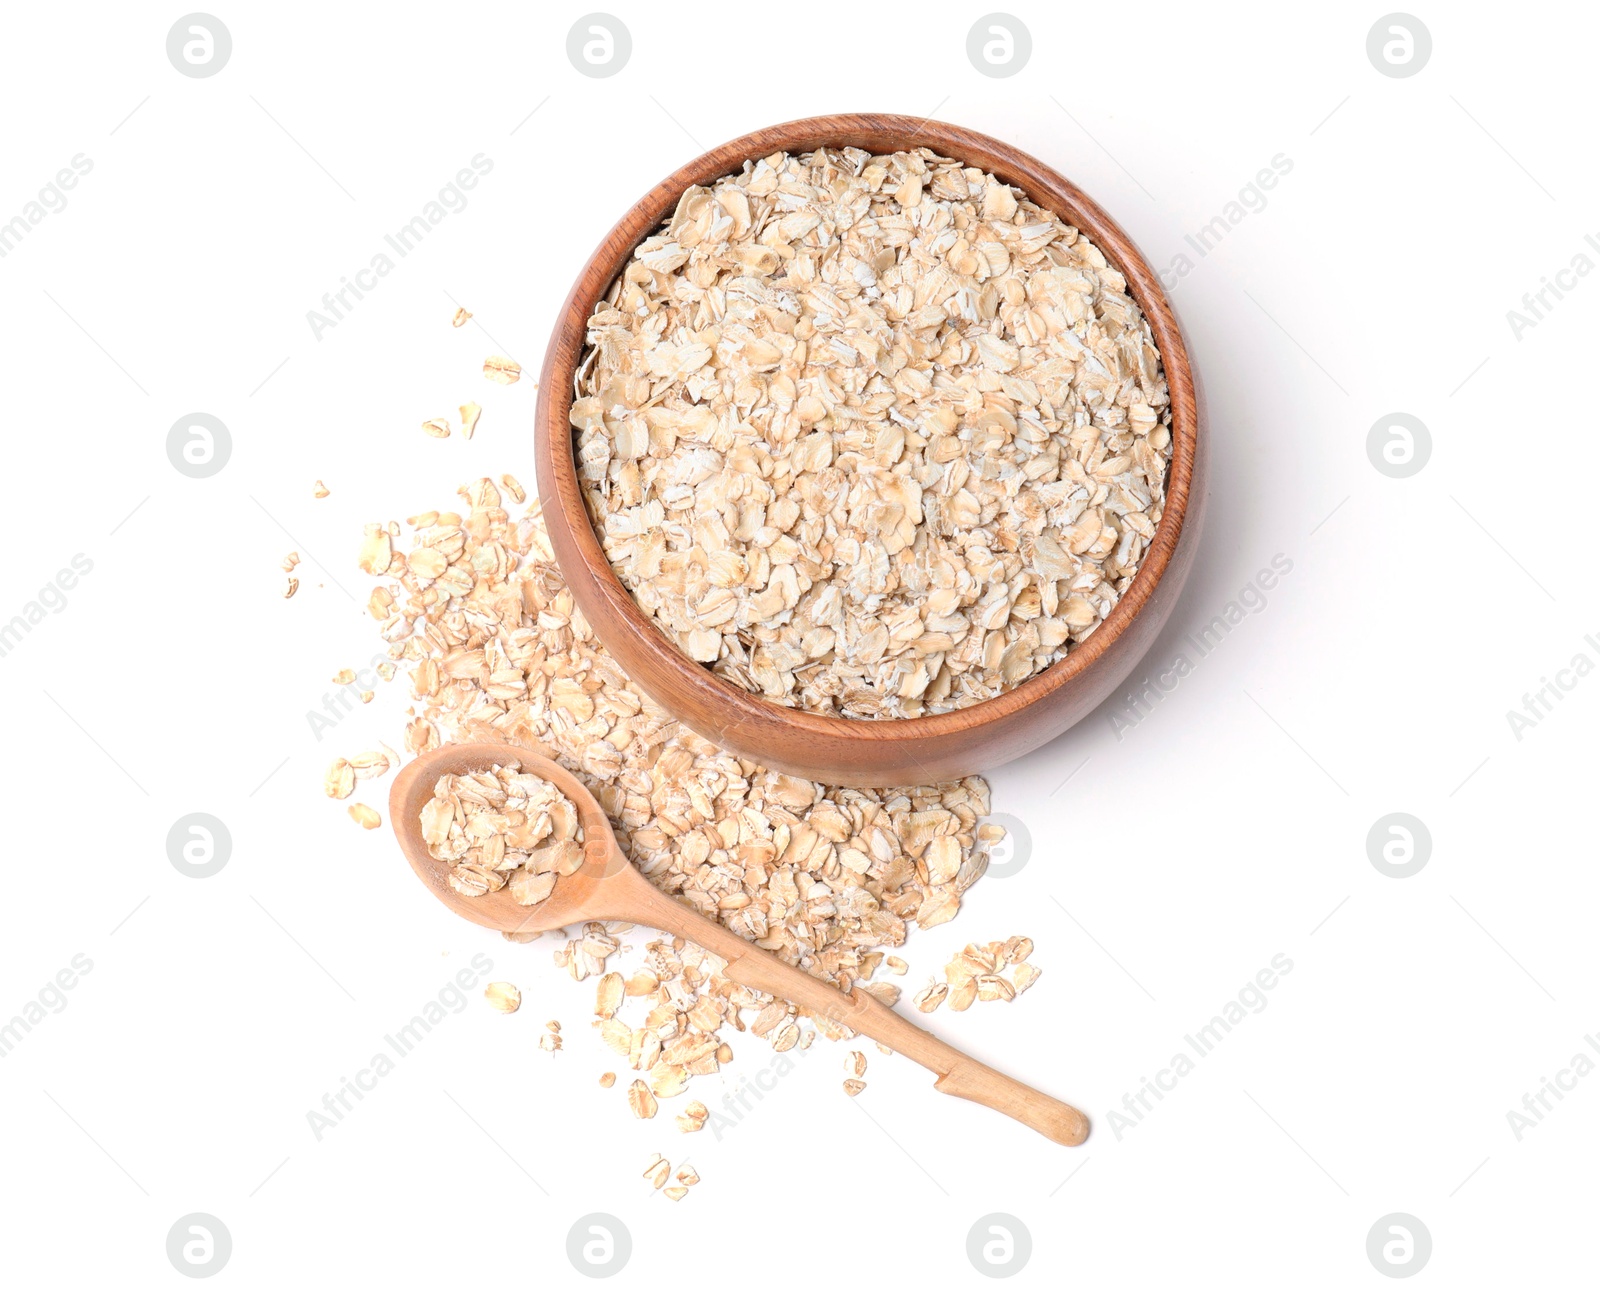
870 752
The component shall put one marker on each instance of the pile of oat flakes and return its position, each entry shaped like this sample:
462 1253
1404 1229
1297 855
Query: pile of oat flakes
475 611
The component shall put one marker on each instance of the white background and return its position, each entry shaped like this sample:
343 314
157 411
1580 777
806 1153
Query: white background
1228 826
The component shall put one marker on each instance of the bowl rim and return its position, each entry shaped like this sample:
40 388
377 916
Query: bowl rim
1040 183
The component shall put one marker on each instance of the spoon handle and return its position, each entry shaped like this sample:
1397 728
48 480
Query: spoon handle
958 1073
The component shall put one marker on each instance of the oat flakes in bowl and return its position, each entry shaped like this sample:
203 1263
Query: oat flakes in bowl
872 435
856 431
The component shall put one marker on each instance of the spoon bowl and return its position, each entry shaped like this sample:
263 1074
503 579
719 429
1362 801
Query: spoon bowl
607 887
574 897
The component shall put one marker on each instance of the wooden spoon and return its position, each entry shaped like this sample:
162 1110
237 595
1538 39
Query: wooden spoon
607 887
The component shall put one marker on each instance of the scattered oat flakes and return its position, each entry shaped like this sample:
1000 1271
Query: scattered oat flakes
887 993
659 1172
340 780
376 553
438 428
504 997
668 1079
344 677
459 317
991 987
856 1065
974 974
619 1036
293 587
470 413
607 1079
693 1117
641 1100
320 490
372 763
291 561
513 486
854 1086
364 817
497 368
